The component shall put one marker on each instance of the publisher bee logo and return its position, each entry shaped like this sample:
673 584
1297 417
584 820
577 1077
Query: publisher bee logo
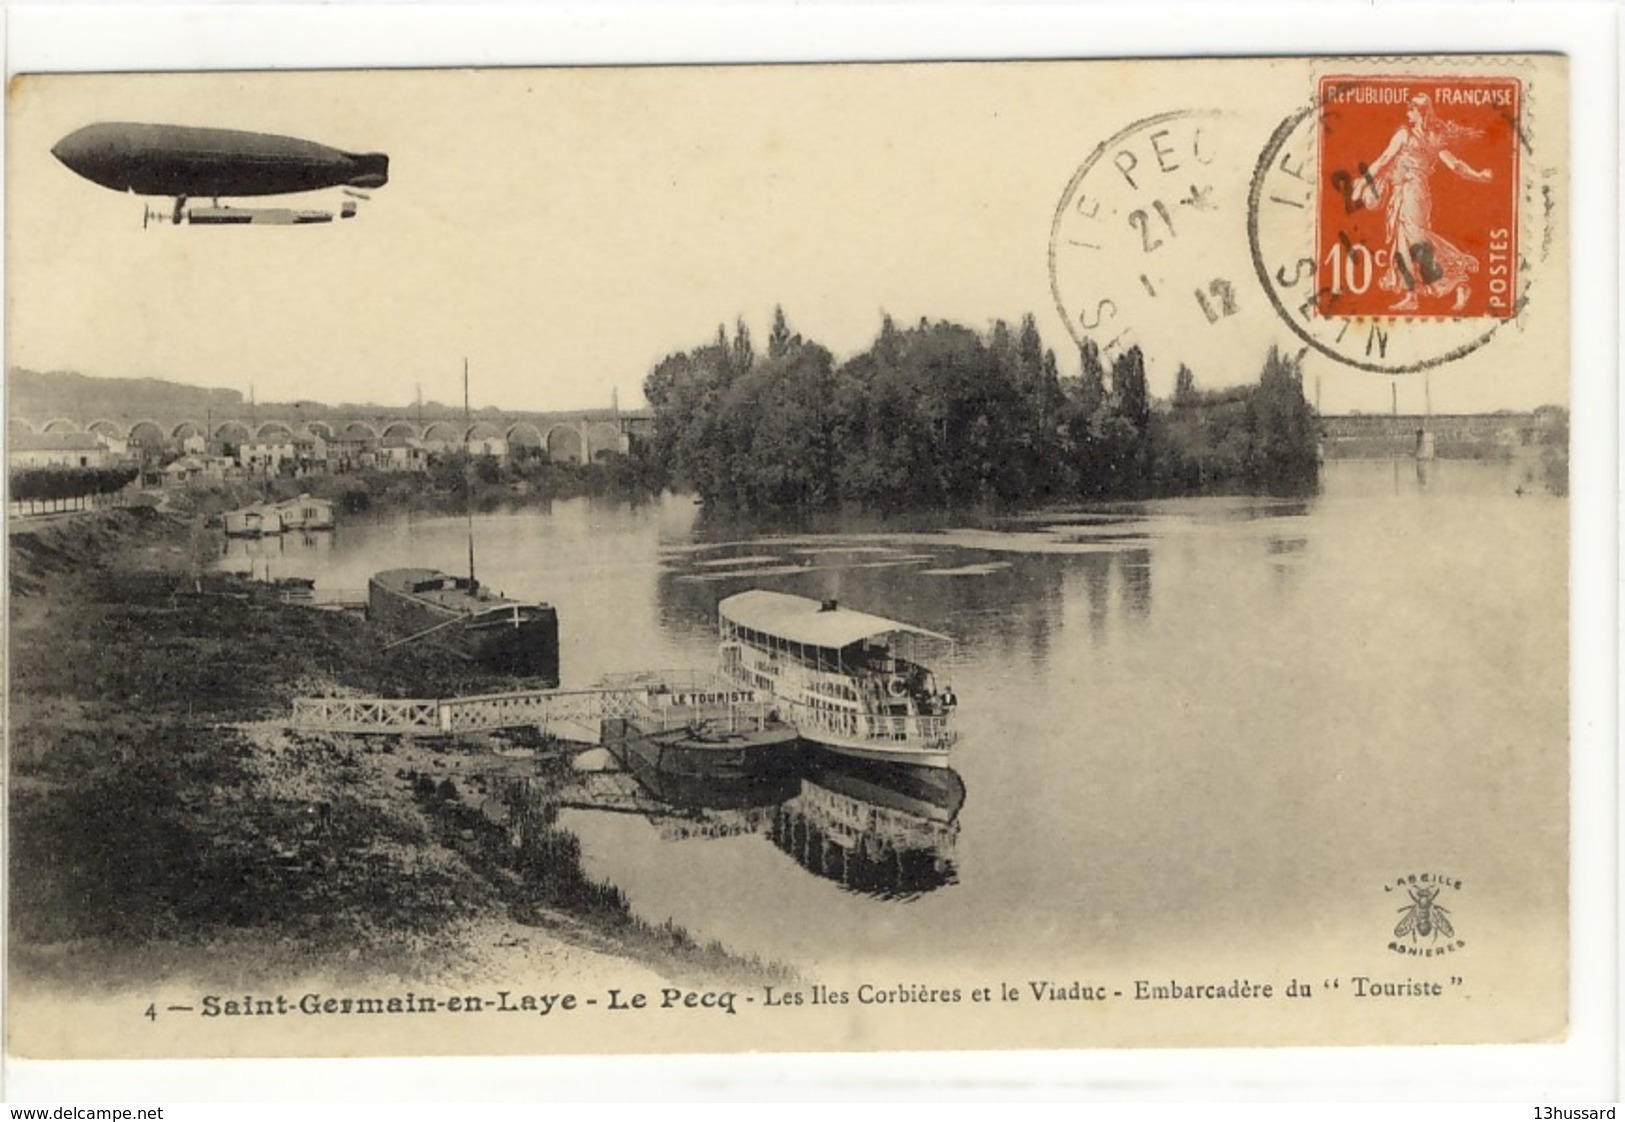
1426 927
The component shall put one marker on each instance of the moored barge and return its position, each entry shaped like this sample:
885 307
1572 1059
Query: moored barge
459 614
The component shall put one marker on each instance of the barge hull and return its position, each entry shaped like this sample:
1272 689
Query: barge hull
527 644
766 754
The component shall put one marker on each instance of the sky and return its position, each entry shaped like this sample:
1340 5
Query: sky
565 229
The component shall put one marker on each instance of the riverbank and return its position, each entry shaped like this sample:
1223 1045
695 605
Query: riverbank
166 827
455 483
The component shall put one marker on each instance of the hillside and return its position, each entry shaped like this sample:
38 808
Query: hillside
61 393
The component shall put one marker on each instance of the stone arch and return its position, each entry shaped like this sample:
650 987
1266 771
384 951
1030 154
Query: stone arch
604 438
274 428
184 429
358 430
443 432
20 424
564 444
486 438
148 434
234 432
106 427
319 428
59 424
398 430
525 440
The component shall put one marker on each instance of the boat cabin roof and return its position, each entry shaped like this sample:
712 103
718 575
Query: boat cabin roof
408 576
796 619
422 582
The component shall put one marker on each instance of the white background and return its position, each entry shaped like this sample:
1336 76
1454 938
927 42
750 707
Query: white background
123 37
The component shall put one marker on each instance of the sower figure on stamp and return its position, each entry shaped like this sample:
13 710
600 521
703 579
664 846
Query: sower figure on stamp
1419 260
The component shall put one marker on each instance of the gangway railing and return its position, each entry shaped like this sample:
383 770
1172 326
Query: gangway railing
478 713
334 599
367 714
484 712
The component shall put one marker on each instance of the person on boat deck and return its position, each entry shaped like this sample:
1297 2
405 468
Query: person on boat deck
916 681
875 656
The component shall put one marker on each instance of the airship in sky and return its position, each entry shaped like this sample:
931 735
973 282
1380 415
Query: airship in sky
183 162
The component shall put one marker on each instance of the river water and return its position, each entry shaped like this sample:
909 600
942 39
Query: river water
1204 731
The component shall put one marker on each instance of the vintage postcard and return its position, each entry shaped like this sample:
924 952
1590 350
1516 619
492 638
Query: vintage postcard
897 556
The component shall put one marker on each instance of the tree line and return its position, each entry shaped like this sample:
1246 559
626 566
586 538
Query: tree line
940 415
68 488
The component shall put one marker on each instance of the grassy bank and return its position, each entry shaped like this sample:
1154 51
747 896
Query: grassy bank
164 823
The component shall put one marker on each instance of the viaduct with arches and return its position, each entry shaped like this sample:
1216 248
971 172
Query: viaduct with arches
570 437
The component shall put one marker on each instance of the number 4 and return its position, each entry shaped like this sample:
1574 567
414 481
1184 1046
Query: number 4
152 1012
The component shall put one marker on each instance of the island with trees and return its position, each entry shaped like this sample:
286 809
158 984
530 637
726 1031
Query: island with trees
938 415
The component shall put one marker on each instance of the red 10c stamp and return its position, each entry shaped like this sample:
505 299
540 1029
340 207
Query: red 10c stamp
1417 215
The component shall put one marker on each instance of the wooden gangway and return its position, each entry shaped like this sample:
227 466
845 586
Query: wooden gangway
328 599
478 713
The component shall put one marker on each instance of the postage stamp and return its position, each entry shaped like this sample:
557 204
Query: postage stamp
1393 220
1418 196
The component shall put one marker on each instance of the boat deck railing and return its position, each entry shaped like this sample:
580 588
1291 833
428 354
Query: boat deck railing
664 700
749 716
914 729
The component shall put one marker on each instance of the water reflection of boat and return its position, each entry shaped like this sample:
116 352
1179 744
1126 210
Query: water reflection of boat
697 793
848 681
702 725
873 828
458 613
685 807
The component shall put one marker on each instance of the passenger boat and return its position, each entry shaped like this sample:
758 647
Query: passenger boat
460 614
702 726
851 682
